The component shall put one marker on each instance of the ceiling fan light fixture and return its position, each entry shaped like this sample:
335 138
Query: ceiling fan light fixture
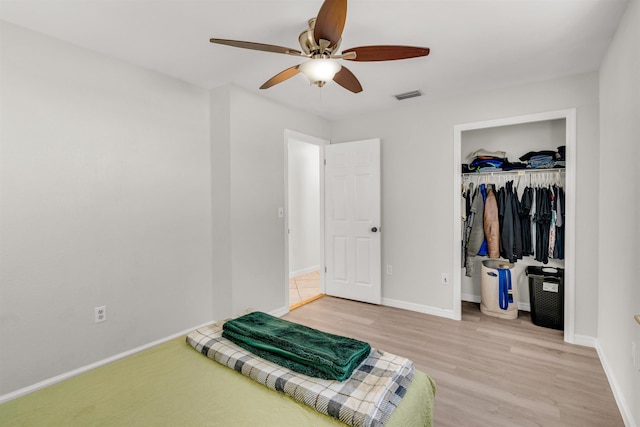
320 42
320 70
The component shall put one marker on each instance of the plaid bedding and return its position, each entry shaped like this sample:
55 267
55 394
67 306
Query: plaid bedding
365 399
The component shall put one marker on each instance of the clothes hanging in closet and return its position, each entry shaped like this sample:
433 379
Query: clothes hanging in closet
558 249
492 224
526 203
542 219
499 223
483 248
510 224
475 230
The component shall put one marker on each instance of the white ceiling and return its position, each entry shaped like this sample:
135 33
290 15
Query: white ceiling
475 45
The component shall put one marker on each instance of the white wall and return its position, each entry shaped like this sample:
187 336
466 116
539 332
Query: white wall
619 296
304 207
515 140
417 166
105 199
220 125
255 184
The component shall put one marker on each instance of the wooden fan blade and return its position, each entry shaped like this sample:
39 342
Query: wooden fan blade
330 21
257 46
347 80
280 77
386 53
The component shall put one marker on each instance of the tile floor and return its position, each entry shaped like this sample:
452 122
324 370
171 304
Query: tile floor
304 288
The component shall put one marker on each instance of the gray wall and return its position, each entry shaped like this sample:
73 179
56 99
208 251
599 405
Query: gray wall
220 134
105 199
417 168
619 296
255 184
304 207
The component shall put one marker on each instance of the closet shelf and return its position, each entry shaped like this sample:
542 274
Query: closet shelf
515 172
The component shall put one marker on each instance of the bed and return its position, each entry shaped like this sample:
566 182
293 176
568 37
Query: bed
173 385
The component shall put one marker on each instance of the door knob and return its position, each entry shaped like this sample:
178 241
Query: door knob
374 229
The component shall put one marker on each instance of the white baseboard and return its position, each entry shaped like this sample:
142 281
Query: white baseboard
470 298
440 312
279 312
53 380
584 340
625 410
524 306
304 271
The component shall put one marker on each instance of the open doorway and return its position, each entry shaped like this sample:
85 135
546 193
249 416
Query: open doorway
304 220
567 118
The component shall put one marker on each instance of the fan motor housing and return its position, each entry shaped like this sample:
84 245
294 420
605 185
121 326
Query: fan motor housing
310 47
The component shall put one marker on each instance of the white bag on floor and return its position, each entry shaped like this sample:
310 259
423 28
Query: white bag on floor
490 293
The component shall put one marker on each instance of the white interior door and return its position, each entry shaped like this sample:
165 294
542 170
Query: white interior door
352 220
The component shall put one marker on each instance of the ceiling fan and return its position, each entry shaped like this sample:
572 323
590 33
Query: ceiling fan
320 42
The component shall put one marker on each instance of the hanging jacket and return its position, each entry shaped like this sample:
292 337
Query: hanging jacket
516 211
509 213
476 236
558 251
483 248
492 224
526 204
543 221
469 217
507 236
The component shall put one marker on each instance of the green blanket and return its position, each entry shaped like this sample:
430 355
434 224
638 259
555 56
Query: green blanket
297 347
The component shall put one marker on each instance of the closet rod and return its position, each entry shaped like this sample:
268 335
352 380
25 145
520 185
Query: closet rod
516 172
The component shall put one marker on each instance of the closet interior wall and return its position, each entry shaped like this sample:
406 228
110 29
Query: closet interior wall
515 140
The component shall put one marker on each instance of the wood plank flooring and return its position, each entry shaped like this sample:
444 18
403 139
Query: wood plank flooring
488 371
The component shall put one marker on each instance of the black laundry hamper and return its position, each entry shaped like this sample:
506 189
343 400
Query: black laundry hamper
546 295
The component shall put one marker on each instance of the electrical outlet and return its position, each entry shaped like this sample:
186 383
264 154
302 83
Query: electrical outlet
444 279
389 269
101 313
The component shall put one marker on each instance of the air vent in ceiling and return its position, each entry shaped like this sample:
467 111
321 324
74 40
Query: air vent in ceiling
407 95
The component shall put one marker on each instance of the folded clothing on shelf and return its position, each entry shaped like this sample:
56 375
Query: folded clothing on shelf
486 162
542 161
491 164
527 157
494 161
482 153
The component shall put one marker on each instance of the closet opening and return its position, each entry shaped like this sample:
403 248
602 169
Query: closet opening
514 163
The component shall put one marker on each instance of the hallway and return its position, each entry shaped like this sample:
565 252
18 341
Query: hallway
304 288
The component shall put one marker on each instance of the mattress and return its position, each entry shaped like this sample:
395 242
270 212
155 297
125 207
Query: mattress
172 385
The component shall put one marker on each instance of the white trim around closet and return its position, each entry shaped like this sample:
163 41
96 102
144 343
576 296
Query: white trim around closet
569 115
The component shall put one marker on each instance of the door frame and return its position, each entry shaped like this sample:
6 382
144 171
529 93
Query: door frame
294 135
569 115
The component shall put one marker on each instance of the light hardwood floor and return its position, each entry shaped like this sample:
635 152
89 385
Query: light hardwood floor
304 288
488 371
